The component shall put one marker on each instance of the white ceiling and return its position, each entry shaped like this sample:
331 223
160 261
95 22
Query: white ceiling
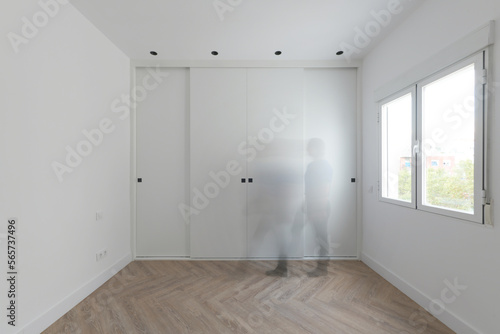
247 30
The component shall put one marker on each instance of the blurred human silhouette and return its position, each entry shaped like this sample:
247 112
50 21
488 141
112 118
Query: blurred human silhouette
276 204
317 183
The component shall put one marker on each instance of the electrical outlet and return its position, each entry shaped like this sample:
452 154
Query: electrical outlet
98 215
101 255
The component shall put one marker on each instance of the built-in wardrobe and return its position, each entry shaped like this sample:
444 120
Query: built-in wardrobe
224 156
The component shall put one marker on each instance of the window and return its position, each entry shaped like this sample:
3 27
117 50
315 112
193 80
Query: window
432 142
397 141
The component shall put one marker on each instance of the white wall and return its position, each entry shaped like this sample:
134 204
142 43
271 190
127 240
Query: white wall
61 82
419 251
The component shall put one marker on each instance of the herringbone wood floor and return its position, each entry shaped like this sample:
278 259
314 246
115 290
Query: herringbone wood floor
237 297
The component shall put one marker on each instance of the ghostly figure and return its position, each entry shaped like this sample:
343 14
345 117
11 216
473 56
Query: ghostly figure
318 183
276 202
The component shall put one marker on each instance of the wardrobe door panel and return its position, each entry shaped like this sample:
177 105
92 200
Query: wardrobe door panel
218 197
274 153
162 146
330 118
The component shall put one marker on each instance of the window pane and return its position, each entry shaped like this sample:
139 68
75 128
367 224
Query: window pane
397 149
448 107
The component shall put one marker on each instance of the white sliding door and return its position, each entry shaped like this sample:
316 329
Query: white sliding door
218 197
247 163
275 162
330 118
162 146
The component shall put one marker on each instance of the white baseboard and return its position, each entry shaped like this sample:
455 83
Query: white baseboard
448 318
188 258
45 320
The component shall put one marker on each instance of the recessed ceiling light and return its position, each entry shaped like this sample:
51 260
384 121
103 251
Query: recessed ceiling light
340 53
277 53
154 53
215 53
